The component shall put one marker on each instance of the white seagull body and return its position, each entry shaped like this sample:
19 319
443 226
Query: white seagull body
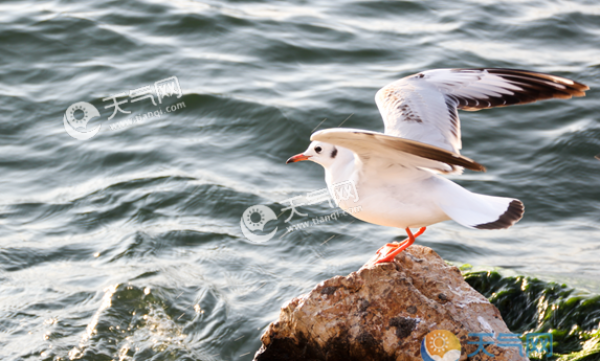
397 173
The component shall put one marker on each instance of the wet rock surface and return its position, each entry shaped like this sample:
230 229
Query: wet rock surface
383 312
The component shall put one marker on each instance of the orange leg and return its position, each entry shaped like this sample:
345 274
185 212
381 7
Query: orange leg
395 245
420 232
399 247
389 245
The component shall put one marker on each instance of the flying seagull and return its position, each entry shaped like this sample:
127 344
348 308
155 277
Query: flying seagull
398 174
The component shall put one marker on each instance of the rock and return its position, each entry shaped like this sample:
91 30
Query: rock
383 312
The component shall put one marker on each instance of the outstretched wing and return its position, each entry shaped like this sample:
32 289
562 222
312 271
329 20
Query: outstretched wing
423 106
371 147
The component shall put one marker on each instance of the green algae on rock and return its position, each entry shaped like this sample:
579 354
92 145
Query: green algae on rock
529 305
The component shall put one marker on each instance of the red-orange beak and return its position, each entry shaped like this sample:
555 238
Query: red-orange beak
297 158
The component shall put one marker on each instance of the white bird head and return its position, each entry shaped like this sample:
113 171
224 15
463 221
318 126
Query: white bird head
322 153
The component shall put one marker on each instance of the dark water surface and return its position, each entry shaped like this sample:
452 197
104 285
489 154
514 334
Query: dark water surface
128 246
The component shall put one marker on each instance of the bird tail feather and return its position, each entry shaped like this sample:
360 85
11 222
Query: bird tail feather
481 211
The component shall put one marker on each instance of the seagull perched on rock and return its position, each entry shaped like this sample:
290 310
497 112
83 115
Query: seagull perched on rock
397 174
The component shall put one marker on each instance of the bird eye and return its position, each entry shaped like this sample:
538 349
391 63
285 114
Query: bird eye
318 150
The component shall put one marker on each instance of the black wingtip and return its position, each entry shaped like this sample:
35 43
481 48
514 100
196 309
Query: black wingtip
534 86
512 215
573 88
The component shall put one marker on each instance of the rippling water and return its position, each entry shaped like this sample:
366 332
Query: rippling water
128 246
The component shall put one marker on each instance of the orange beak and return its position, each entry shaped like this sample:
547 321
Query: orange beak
297 158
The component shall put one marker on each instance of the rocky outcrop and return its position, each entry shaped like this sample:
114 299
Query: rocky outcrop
383 312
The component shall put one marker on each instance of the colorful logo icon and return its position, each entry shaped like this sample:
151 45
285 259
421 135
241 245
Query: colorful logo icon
440 345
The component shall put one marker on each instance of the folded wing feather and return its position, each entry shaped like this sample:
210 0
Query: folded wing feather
366 144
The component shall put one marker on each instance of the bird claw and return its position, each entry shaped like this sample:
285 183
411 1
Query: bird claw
396 248
389 245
